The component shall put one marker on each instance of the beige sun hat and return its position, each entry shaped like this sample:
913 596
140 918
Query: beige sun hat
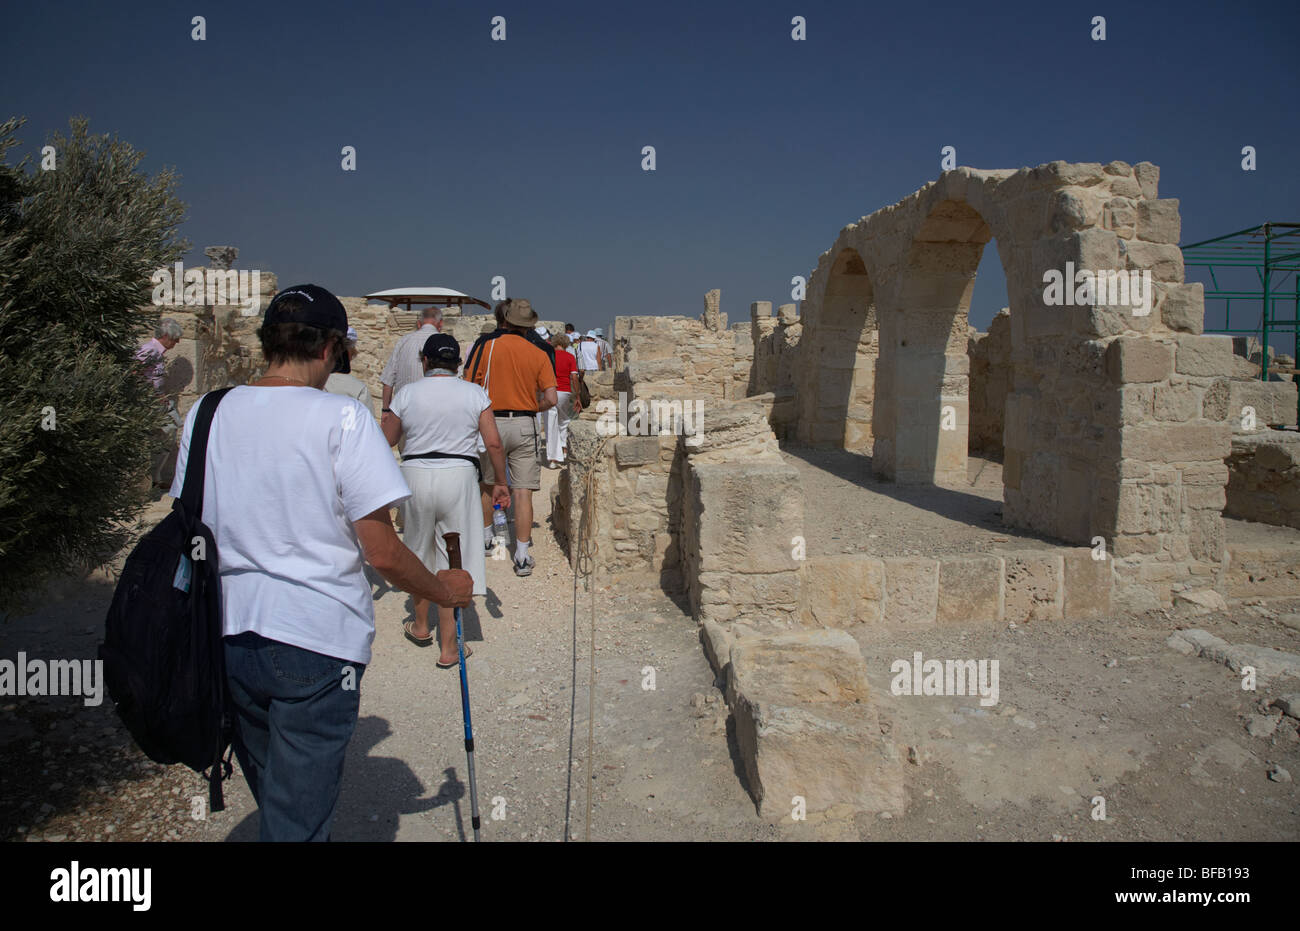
519 312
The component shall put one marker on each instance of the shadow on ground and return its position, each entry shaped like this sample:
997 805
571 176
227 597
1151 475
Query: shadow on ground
376 791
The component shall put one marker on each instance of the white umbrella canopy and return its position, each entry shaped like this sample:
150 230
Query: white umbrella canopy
431 295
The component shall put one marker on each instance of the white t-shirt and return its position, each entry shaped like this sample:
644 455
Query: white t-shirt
349 386
439 413
587 355
288 471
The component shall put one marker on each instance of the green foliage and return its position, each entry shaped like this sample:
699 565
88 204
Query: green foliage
77 247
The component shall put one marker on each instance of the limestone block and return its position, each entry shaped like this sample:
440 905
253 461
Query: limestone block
636 450
1158 221
1274 403
1033 586
833 756
1125 187
1088 584
1269 663
788 314
1183 307
1148 176
1097 249
1207 536
801 666
1068 211
1132 359
843 590
1204 355
1187 442
1204 473
1215 401
1084 174
911 591
1164 260
1177 402
1147 508
748 513
764 589
717 640
760 309
970 589
1119 214
656 370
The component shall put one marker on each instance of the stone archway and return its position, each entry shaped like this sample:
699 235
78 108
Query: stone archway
924 373
843 353
1089 448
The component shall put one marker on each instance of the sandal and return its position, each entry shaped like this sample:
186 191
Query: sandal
406 628
442 665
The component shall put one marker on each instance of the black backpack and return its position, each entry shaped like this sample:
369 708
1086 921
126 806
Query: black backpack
164 658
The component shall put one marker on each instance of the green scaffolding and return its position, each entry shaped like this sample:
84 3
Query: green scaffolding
1272 250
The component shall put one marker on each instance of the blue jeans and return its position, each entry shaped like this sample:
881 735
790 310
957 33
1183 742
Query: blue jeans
295 711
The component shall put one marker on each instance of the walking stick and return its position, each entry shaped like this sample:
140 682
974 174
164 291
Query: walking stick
453 560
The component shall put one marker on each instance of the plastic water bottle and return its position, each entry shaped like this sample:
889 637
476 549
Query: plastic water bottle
499 524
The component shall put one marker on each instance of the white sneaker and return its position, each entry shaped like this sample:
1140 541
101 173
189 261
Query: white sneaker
526 567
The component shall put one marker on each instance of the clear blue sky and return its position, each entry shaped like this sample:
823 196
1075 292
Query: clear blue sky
523 158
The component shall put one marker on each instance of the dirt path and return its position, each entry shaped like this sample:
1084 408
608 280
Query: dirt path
662 769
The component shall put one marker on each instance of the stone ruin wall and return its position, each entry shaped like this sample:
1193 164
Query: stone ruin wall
683 358
991 377
219 344
1116 425
774 358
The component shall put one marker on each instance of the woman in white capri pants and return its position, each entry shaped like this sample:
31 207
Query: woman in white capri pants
566 406
442 418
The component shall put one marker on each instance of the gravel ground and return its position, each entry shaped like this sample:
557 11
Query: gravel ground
901 520
1086 709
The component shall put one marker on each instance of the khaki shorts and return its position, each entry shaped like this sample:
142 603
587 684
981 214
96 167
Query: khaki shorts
523 452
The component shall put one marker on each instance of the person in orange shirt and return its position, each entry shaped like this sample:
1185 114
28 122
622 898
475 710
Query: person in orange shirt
514 372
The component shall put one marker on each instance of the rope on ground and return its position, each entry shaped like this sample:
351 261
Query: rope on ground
584 565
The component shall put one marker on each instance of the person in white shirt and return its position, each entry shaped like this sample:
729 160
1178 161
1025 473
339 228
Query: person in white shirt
589 353
404 364
442 418
297 492
342 381
606 351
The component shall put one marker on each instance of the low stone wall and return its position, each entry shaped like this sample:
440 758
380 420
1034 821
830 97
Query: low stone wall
635 515
1262 571
742 521
219 344
678 357
773 362
1255 406
1264 478
1034 585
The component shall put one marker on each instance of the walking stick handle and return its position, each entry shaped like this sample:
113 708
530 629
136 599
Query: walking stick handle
453 549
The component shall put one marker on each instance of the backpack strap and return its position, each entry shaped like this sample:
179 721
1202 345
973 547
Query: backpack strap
191 501
196 464
221 769
476 353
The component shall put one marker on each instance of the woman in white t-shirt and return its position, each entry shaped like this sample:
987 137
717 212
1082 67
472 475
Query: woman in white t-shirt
589 353
442 418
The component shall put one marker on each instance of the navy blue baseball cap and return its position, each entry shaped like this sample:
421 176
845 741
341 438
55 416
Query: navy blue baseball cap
441 347
308 304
